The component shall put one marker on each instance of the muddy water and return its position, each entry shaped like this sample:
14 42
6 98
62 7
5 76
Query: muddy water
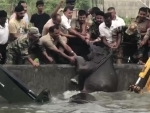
120 102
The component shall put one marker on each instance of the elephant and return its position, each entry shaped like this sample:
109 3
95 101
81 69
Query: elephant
97 74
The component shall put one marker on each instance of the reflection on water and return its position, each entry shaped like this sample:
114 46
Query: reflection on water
120 102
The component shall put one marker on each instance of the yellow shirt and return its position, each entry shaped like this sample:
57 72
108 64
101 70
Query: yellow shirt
48 42
18 27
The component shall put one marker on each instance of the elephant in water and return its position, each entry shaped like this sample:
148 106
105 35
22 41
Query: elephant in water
97 74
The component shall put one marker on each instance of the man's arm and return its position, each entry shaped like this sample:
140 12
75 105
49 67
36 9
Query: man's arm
43 51
67 35
52 47
50 59
98 39
103 36
72 31
118 40
62 54
67 48
84 28
13 31
35 64
63 42
117 32
147 26
146 37
57 8
45 30
105 42
66 25
29 55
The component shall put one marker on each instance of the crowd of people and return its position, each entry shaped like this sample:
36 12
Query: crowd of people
58 38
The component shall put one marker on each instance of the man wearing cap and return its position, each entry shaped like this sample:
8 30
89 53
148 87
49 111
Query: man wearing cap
4 33
27 49
18 26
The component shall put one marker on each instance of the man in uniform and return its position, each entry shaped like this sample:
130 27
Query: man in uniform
28 48
143 24
131 38
52 41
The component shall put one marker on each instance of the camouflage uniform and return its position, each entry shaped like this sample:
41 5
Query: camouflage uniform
142 27
147 37
20 49
118 52
133 50
94 30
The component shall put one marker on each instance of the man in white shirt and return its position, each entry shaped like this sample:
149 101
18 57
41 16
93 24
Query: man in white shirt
117 20
4 33
66 20
106 29
109 37
26 18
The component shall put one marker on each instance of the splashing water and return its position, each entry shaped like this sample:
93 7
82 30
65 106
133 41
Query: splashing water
118 102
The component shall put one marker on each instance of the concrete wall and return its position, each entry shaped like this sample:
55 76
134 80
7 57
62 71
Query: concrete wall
57 77
124 8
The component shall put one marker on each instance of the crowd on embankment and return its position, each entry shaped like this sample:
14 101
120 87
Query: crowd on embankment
58 37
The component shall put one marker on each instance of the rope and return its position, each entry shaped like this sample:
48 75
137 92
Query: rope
104 59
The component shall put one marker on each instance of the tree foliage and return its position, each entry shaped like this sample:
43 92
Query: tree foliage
50 5
82 4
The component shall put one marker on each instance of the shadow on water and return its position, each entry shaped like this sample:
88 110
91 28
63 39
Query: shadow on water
119 102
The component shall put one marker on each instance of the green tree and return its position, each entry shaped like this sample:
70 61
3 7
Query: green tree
82 4
50 5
